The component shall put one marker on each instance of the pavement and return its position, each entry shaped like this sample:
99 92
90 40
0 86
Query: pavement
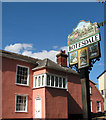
99 118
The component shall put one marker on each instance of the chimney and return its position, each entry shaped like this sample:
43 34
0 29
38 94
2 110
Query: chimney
62 58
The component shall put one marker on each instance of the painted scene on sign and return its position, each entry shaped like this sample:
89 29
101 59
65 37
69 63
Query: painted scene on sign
73 58
93 50
83 57
84 29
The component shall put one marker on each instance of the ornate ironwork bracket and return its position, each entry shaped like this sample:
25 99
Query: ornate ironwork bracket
91 63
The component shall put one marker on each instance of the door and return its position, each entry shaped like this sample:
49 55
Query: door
38 112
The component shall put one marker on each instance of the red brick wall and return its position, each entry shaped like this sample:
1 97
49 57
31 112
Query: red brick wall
61 60
56 100
10 89
0 87
74 95
95 96
56 103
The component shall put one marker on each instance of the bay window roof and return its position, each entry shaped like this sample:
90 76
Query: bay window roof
47 63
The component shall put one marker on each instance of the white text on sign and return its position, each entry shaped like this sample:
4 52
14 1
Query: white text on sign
84 43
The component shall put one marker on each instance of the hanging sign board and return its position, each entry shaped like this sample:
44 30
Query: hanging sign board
73 57
83 59
84 43
94 50
85 37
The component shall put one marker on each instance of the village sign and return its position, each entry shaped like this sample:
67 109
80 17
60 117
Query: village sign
83 44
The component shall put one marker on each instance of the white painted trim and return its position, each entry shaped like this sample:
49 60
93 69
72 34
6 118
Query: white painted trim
56 87
91 106
27 76
55 75
50 74
50 80
21 94
39 98
61 82
45 80
39 74
26 102
90 89
21 84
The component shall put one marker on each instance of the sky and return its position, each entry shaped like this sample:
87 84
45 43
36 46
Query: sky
40 29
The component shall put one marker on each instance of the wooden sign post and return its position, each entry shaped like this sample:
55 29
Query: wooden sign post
84 50
84 77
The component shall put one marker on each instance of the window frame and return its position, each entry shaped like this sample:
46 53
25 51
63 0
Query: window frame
102 92
99 106
90 90
37 76
45 80
52 80
26 110
58 76
48 80
91 107
27 75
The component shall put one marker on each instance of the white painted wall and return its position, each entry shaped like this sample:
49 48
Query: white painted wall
102 86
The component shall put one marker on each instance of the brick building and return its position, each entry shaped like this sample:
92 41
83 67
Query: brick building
102 86
97 102
33 88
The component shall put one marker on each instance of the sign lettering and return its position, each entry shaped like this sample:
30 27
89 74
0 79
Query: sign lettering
84 43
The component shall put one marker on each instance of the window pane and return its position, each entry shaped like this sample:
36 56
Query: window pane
18 79
90 89
91 105
60 82
35 81
98 105
56 81
64 83
48 79
43 80
20 103
52 80
22 74
39 81
102 92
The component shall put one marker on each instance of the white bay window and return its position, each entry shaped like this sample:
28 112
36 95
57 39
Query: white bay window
50 80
